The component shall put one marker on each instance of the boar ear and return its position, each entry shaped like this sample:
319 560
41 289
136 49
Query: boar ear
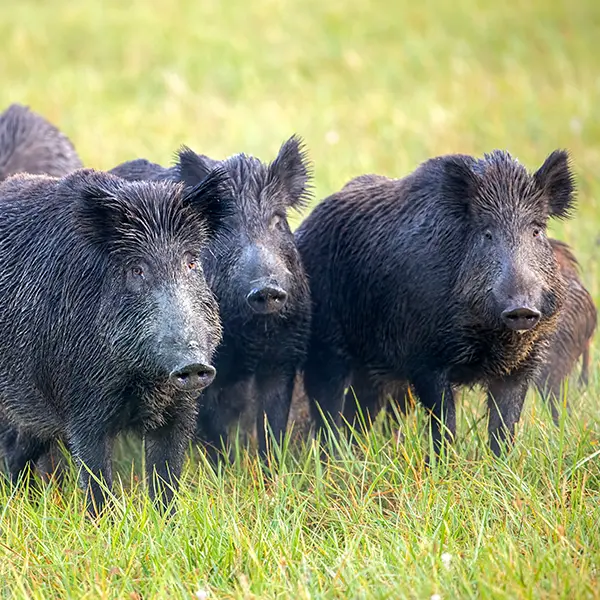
192 168
460 183
555 179
98 210
212 200
291 171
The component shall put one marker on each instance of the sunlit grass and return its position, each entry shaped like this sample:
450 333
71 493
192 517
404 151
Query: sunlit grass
373 522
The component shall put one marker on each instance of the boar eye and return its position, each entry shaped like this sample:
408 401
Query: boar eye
536 232
137 272
277 222
191 262
488 234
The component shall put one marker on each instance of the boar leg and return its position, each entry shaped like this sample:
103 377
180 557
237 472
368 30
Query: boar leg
505 402
325 380
552 393
165 453
362 393
211 439
218 409
436 395
92 451
368 394
51 465
274 402
584 376
21 450
373 396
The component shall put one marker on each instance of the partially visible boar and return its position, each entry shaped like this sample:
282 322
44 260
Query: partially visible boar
443 278
572 339
260 284
107 323
30 144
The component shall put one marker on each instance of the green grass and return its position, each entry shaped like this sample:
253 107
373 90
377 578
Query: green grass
372 87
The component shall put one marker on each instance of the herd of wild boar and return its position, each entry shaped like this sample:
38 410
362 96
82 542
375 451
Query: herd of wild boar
170 300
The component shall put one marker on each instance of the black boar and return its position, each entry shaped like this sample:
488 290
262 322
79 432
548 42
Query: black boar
107 323
29 144
260 284
443 278
570 342
573 336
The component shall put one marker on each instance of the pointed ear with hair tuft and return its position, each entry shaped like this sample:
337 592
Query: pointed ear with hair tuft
460 183
292 171
212 200
557 182
193 168
98 211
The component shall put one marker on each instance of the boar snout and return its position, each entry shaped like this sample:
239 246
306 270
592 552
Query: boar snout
266 299
267 278
520 317
192 376
519 292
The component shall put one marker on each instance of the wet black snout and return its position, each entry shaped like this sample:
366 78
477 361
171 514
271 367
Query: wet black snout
193 377
267 299
521 318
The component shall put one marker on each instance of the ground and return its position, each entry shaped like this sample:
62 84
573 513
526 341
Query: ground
372 88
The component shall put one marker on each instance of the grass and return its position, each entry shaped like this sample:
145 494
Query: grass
372 87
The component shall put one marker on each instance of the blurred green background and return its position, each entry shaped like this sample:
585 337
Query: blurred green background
371 87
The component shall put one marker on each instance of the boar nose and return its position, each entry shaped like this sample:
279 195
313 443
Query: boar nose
267 299
193 376
520 318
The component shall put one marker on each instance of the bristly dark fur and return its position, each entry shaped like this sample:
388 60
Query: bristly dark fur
410 280
557 181
260 353
291 172
481 183
100 303
287 177
191 167
30 144
147 219
572 339
569 343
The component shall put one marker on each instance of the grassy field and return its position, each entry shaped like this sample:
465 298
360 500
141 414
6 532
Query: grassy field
372 87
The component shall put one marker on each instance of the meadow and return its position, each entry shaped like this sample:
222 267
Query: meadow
372 87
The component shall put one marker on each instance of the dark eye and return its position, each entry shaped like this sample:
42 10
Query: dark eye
190 261
137 272
536 232
488 234
277 222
